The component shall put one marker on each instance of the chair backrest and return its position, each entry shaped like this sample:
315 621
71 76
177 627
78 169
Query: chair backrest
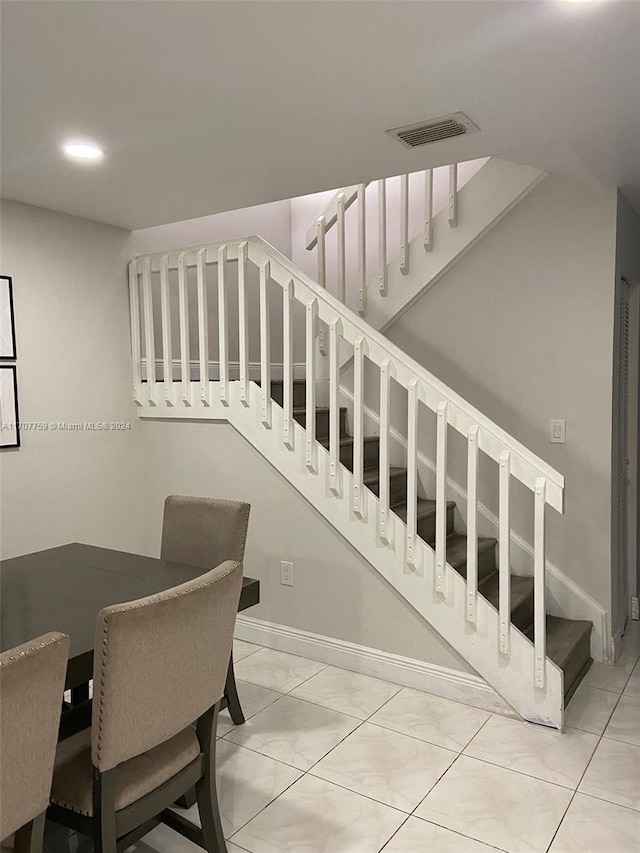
160 663
203 532
31 686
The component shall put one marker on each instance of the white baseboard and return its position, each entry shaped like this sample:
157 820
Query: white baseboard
419 675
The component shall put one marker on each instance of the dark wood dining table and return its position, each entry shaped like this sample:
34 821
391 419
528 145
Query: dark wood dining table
64 588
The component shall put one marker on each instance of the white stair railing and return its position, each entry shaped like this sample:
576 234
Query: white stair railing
334 213
492 645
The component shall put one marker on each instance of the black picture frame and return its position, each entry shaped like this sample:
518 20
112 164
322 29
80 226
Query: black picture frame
7 320
9 417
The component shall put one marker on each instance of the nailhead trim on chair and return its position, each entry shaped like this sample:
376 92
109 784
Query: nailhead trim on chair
25 652
138 605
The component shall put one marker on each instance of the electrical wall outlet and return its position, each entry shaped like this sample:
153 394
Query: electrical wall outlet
286 573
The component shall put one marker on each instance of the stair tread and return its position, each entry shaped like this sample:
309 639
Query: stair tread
302 410
563 635
457 547
372 475
521 589
348 439
426 508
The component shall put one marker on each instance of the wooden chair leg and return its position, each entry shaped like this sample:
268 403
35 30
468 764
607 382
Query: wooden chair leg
231 695
206 791
104 812
187 800
30 837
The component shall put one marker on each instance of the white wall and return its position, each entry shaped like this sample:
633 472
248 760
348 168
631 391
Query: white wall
71 306
335 592
522 327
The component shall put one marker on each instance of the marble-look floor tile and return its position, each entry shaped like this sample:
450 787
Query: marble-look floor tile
159 840
314 816
593 826
614 773
417 835
610 676
389 767
242 649
347 692
633 685
253 699
430 718
499 807
625 722
590 709
247 782
293 731
276 670
534 750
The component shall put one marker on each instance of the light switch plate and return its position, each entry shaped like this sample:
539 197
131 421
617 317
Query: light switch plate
557 431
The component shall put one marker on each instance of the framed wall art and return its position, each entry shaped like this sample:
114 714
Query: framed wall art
7 322
9 431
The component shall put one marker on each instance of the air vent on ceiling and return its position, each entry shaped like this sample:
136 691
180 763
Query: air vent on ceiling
435 130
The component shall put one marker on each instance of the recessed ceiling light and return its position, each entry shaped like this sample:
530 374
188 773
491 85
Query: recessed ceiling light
82 151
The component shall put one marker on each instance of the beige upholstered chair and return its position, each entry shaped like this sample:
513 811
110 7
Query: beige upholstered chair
159 666
31 687
202 532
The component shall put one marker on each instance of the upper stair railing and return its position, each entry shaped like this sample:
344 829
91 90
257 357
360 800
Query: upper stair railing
159 281
334 216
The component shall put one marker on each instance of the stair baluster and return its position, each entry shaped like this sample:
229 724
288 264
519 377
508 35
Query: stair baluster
335 469
185 360
265 344
428 210
149 333
165 313
223 335
504 549
243 324
383 470
382 237
287 364
472 523
359 500
310 426
412 472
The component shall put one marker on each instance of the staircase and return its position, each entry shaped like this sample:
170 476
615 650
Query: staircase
460 583
568 640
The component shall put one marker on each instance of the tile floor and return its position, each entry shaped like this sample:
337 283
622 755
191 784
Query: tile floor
332 761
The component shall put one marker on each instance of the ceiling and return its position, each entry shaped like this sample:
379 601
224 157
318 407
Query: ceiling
210 106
